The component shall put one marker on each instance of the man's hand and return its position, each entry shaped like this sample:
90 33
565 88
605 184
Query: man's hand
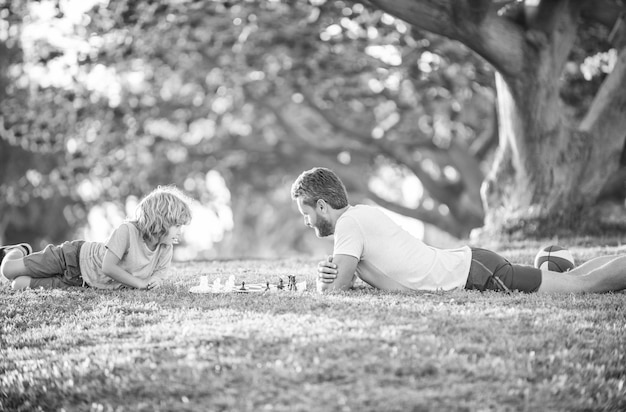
336 273
326 270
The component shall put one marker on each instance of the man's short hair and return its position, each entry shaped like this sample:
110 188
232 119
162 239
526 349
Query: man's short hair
320 183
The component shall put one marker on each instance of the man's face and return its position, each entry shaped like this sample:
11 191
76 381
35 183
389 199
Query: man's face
313 219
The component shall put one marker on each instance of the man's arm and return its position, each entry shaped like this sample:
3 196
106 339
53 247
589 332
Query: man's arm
336 273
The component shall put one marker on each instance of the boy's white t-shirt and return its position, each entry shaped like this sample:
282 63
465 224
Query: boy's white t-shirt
135 257
391 258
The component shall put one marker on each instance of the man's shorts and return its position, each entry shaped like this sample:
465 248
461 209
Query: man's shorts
56 266
490 271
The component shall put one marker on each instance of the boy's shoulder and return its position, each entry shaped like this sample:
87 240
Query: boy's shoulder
124 231
130 226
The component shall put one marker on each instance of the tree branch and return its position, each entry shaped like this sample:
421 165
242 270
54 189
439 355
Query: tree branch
559 21
487 138
605 122
399 155
433 217
607 108
605 12
495 38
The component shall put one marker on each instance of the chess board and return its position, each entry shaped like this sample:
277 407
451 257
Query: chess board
255 288
244 287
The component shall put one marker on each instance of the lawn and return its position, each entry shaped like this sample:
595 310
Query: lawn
366 350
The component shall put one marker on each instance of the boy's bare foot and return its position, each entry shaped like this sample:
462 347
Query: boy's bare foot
25 248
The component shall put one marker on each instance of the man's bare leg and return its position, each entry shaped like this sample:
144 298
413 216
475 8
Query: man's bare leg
592 264
599 275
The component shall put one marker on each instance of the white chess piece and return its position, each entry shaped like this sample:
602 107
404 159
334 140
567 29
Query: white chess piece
230 284
217 285
203 287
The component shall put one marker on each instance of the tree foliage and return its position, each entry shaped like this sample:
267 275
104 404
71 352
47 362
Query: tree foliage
132 94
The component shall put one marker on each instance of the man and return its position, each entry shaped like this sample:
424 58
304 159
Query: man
368 244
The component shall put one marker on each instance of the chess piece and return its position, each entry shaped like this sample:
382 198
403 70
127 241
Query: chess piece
243 286
217 285
280 286
230 284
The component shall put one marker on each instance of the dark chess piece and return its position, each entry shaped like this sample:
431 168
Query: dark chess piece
292 283
267 285
243 286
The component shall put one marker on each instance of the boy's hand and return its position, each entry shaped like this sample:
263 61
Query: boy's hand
326 270
142 284
154 283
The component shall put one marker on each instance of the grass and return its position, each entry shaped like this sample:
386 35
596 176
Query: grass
366 350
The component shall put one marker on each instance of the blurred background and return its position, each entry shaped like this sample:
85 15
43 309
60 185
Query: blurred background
101 101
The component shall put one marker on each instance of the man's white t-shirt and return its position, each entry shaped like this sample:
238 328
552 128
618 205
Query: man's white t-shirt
390 258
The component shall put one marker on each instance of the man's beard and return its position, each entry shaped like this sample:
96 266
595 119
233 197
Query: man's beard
323 227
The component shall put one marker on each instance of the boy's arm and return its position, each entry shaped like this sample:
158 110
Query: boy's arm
336 273
162 270
160 274
157 278
111 268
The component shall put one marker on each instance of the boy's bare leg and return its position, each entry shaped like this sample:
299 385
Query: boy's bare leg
21 283
603 274
13 264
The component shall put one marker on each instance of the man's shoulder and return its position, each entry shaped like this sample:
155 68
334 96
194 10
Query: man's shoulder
362 211
359 216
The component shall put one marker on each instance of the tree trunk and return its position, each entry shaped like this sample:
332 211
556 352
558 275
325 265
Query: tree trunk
551 164
551 168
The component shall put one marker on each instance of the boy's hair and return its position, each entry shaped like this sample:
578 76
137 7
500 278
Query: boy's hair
164 207
320 183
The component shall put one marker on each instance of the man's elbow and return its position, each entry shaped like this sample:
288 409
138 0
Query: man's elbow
323 287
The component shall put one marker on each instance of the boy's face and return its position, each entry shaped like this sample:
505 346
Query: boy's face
173 235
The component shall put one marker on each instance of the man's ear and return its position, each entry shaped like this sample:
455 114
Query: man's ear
321 205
